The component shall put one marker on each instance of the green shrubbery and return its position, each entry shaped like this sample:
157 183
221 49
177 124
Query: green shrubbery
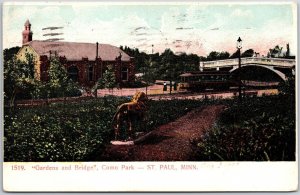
75 131
258 129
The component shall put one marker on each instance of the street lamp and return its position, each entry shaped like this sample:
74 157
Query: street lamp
239 47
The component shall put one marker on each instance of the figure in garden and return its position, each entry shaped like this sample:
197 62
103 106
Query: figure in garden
128 112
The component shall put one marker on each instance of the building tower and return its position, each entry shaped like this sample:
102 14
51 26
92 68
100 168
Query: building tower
27 34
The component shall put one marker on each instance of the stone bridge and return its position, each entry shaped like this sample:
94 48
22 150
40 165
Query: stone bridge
279 66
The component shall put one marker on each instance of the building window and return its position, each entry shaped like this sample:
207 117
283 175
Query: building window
124 73
73 73
90 73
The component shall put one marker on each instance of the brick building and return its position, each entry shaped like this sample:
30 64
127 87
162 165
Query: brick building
85 62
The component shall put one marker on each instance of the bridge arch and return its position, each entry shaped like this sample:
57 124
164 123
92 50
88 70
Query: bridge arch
280 74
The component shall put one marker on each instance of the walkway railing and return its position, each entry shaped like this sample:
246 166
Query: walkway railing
278 62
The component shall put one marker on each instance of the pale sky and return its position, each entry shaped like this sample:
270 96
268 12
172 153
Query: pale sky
192 28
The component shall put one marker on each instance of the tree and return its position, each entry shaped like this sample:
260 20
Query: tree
248 53
58 78
18 78
149 73
109 79
214 55
60 85
30 61
235 54
223 55
275 52
8 54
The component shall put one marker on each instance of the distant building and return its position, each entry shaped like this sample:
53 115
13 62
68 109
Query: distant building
85 62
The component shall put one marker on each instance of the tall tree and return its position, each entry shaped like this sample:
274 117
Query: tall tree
58 77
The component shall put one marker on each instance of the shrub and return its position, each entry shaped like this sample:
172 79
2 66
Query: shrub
75 131
259 129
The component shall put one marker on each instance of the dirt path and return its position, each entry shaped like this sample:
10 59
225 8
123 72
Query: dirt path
169 142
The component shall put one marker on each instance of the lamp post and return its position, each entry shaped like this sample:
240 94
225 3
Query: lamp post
239 47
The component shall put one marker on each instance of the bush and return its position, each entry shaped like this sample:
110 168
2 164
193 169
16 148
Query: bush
75 131
259 129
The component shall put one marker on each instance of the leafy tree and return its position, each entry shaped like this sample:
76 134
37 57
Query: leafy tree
58 78
109 79
223 55
59 85
214 55
149 73
235 54
248 53
275 52
8 54
18 78
30 61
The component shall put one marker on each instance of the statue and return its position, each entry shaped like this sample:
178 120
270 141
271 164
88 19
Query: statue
128 111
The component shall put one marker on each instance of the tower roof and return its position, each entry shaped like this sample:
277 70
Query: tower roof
27 23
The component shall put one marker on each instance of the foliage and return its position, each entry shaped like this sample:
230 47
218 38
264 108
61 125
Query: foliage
288 87
161 63
18 78
76 131
259 129
58 76
214 55
20 81
247 53
8 54
275 52
109 79
235 54
149 72
59 85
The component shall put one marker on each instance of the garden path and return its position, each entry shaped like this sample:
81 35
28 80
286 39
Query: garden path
169 142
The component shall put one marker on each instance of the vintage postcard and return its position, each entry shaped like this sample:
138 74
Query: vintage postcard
149 96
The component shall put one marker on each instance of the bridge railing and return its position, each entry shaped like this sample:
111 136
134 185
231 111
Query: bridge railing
279 62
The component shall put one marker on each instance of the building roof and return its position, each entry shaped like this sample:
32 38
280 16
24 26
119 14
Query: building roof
27 23
76 51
